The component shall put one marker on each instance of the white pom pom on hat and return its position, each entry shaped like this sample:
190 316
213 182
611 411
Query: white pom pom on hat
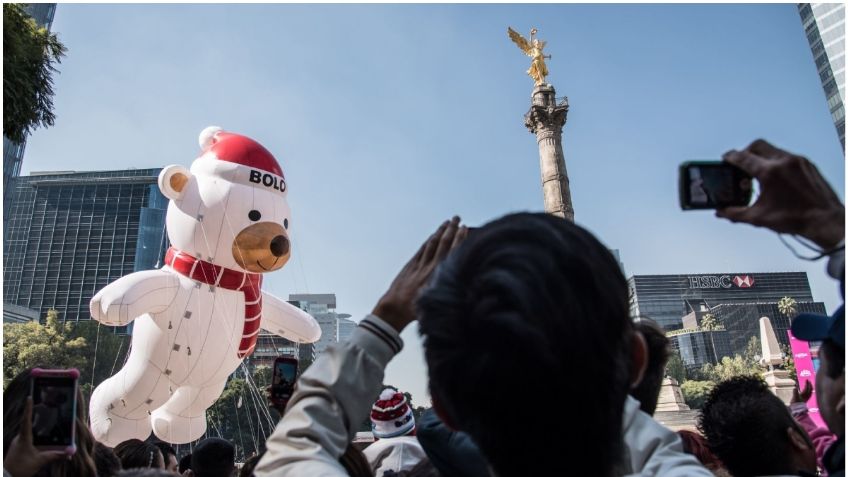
387 394
207 136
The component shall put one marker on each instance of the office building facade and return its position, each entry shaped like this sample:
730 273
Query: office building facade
666 299
824 26
68 234
322 307
736 302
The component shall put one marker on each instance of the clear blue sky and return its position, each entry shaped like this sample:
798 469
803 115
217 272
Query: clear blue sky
388 119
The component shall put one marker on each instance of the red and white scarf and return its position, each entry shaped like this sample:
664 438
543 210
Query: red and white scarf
216 275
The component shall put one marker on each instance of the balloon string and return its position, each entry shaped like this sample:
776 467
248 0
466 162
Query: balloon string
94 361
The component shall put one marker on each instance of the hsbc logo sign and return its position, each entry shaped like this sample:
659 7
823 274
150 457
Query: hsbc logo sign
721 281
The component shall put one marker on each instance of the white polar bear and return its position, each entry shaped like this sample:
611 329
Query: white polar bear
199 315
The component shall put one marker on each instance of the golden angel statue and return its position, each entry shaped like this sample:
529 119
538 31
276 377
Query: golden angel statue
533 48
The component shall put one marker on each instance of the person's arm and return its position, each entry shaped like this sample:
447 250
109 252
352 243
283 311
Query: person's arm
794 197
332 398
336 393
822 437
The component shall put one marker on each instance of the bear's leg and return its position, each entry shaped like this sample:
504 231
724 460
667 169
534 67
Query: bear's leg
183 418
120 406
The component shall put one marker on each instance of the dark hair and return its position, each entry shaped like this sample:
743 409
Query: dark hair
695 444
647 392
835 357
141 472
250 464
529 311
213 457
745 426
135 453
355 463
108 464
166 450
81 463
185 464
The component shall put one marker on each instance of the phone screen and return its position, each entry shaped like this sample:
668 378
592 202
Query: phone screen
285 373
712 185
53 410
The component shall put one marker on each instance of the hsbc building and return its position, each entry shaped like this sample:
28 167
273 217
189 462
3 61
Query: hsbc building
736 299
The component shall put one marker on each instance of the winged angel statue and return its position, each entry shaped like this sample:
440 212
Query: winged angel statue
533 48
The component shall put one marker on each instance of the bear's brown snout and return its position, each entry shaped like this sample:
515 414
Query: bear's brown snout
262 247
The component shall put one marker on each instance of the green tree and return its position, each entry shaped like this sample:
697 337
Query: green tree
675 368
695 393
105 352
789 362
34 344
753 350
29 53
730 368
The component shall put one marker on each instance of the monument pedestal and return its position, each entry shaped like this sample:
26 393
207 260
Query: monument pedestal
779 383
671 398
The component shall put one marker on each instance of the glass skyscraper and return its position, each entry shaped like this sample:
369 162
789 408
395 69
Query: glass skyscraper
68 234
736 301
824 25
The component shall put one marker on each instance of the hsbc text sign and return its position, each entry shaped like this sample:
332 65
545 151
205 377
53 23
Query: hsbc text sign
721 281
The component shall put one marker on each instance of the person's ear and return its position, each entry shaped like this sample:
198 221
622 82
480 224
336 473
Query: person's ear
798 440
443 416
638 358
173 181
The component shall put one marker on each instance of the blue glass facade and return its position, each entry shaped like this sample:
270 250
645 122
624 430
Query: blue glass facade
68 234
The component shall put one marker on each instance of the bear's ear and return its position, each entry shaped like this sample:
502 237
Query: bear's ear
173 181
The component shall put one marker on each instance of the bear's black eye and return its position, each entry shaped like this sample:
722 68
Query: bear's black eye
254 215
286 223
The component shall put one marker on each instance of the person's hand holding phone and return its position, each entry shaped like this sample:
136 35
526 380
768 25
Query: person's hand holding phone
23 459
794 197
397 306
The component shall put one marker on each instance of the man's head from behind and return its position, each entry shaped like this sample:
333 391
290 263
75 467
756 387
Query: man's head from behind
648 390
213 457
527 336
752 432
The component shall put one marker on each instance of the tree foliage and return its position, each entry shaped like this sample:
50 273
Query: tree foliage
29 54
94 349
695 393
675 368
34 344
731 368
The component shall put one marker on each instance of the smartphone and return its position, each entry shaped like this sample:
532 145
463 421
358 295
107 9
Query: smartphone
54 408
713 185
283 379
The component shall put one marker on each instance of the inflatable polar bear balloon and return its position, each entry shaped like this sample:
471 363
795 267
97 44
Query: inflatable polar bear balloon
199 315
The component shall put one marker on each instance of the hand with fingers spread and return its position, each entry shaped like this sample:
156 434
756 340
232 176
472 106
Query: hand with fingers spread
794 197
397 306
23 459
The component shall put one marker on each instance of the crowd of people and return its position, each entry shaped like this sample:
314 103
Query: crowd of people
535 367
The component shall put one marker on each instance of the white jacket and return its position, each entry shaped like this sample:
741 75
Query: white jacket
332 398
394 453
655 450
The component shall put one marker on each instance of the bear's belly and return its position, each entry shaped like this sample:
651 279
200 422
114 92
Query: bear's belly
196 340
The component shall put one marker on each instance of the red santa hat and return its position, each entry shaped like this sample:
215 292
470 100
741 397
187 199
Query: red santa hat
264 170
391 415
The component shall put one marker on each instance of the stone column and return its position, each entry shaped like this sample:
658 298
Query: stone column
546 119
777 379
